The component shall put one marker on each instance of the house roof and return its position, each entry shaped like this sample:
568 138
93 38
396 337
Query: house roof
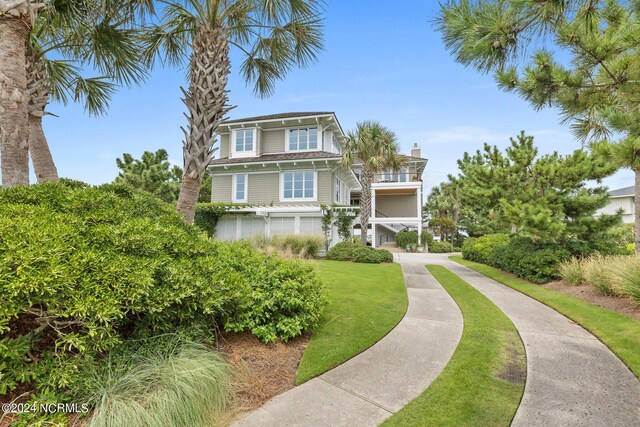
292 115
278 157
620 192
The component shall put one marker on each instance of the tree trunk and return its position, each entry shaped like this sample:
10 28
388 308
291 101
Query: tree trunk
636 203
189 190
14 128
38 91
366 178
206 101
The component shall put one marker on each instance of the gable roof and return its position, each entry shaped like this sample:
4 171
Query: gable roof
278 157
626 191
292 115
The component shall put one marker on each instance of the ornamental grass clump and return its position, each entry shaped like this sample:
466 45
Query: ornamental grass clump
571 271
165 381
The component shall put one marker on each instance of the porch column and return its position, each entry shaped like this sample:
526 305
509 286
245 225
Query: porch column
374 236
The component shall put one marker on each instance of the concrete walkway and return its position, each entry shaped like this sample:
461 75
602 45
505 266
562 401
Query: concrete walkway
572 378
377 383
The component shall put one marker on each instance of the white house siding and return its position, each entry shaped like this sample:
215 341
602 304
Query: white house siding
617 203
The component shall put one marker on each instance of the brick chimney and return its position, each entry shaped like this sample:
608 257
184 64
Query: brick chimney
415 151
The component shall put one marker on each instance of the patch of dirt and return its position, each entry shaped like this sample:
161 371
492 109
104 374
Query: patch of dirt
514 367
588 293
264 370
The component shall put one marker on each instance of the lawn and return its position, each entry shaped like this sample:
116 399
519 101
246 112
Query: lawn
366 301
618 332
483 382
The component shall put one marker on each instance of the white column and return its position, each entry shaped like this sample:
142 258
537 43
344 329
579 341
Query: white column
373 203
373 236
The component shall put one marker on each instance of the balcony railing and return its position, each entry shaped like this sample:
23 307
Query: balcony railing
396 177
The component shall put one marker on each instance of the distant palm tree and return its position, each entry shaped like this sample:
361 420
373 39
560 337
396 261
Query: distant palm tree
376 148
272 36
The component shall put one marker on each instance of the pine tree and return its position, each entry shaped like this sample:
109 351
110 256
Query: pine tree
542 197
579 56
152 173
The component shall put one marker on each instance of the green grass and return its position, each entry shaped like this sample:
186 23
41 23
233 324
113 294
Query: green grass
617 331
366 301
471 389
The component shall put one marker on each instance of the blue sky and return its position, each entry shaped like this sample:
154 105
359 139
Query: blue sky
381 63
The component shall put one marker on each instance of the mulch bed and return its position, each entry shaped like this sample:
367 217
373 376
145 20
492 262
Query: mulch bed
588 293
264 370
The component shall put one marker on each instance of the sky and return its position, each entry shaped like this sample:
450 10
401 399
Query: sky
382 61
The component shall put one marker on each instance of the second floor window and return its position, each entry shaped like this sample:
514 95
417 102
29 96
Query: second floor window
298 185
303 139
244 140
338 190
239 188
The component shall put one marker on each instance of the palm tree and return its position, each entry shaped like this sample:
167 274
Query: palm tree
16 21
272 37
100 36
376 147
94 33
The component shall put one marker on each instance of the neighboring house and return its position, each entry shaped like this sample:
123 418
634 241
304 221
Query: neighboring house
621 199
285 167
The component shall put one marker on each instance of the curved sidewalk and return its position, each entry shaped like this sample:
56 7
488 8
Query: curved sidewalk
572 378
378 382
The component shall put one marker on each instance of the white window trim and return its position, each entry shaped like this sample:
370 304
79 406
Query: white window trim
337 185
319 141
234 199
232 149
300 199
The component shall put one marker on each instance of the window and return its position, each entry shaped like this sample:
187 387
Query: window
303 139
239 188
338 190
244 142
299 185
336 145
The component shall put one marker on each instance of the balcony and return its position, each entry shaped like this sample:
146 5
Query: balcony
396 177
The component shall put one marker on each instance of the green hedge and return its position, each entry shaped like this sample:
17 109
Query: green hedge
405 238
537 262
84 268
481 249
441 248
347 251
534 261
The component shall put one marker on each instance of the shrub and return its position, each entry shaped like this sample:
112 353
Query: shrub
481 249
537 262
571 271
163 382
347 251
83 268
440 247
369 255
342 251
405 238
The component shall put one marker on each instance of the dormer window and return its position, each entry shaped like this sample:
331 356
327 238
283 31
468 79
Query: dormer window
302 139
244 143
